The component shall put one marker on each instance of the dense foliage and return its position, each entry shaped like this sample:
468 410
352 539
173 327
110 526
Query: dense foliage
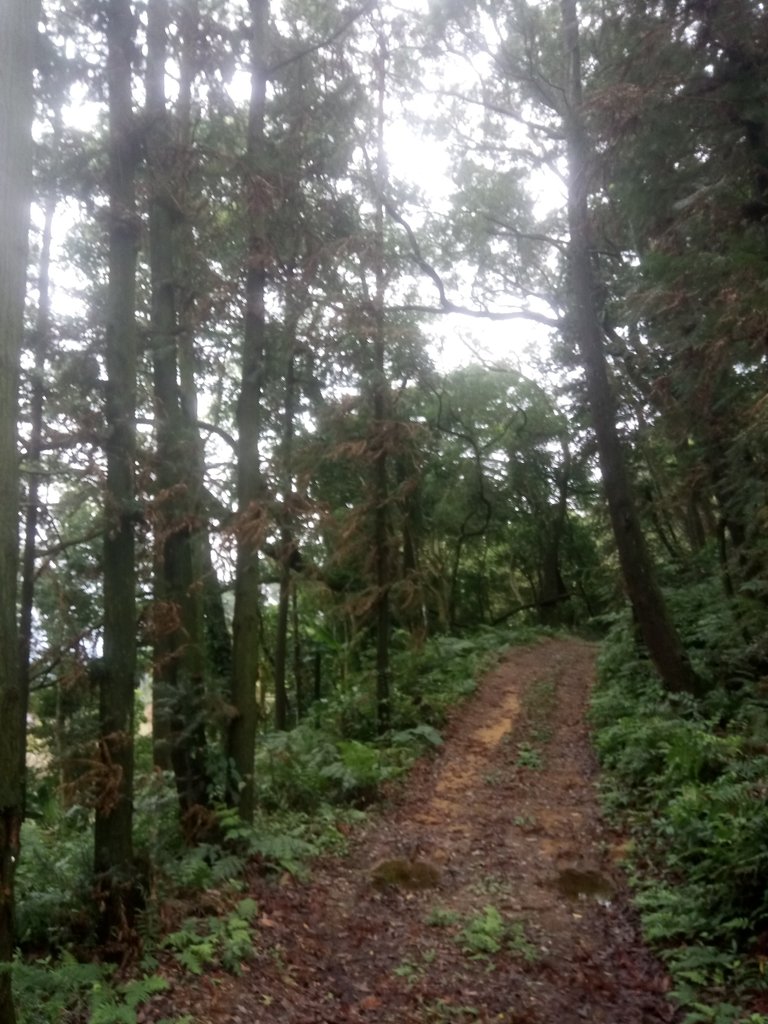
686 780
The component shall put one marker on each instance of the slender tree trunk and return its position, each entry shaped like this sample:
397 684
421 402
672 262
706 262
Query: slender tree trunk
644 593
381 416
286 540
693 523
166 624
410 514
298 673
453 578
178 702
18 21
281 642
251 512
218 641
113 832
553 592
40 345
411 609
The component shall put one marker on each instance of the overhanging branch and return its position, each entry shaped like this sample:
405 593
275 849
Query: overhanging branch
322 43
446 306
480 314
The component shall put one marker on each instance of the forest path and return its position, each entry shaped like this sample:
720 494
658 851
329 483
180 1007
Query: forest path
522 917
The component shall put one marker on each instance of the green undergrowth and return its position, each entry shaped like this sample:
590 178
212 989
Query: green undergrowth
485 933
335 756
313 784
689 781
64 990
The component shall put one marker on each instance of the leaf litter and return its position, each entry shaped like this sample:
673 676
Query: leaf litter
523 918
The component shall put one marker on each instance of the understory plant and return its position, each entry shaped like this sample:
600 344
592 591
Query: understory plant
489 932
688 779
335 757
57 991
312 782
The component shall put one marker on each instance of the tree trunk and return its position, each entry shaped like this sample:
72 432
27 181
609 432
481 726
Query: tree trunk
179 698
298 671
251 512
218 640
643 590
553 592
281 641
113 838
381 418
40 345
287 545
18 21
411 610
217 637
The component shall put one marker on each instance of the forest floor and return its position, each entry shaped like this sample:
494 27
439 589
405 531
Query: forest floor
487 889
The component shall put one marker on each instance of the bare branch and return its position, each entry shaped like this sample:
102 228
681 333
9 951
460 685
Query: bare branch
527 236
211 428
71 542
322 43
446 306
497 108
480 314
497 621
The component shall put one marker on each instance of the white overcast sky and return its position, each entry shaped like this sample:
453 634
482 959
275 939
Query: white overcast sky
415 157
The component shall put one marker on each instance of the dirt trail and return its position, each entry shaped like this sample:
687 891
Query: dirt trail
507 815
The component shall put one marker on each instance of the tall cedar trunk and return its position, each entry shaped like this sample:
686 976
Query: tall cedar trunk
411 608
553 591
218 641
286 539
638 571
18 22
178 700
163 317
40 345
381 403
281 639
298 672
250 485
113 839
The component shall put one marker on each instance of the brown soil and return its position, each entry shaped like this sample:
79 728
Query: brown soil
507 815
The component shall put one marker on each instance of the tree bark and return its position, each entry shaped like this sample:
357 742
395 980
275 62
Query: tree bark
412 607
381 416
18 22
113 832
251 510
658 631
217 637
179 673
287 544
40 345
553 593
